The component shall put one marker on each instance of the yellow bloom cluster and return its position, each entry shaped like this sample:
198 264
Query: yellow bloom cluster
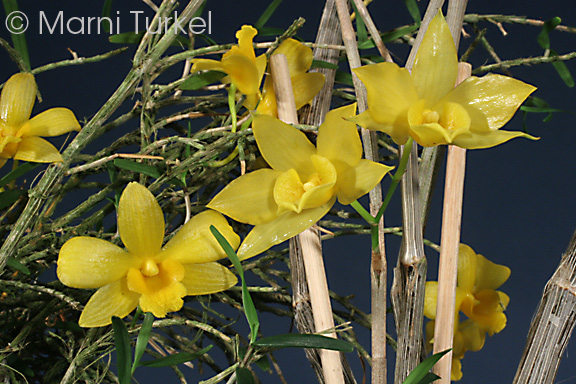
423 104
19 134
303 182
146 274
477 298
246 71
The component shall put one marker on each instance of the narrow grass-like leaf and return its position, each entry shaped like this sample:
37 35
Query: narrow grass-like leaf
343 77
422 370
249 308
414 11
297 340
22 169
266 14
361 31
175 359
17 265
263 363
549 25
142 340
133 166
429 378
397 33
323 64
562 70
244 376
201 80
106 12
270 31
7 198
123 352
17 23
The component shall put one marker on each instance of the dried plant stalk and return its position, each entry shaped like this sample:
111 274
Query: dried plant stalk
309 239
552 325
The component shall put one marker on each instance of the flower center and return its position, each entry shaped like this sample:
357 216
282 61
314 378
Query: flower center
152 276
430 117
291 194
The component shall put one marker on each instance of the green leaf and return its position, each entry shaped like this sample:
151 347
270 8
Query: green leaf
106 12
249 308
201 80
361 31
123 352
18 23
266 14
297 340
133 166
429 378
22 169
420 373
142 340
263 363
244 376
17 265
414 11
397 33
562 70
7 198
175 359
537 105
549 25
323 64
270 31
344 77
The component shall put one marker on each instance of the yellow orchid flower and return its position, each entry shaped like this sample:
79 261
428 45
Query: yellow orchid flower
304 85
146 274
240 63
303 181
425 105
467 337
19 134
476 297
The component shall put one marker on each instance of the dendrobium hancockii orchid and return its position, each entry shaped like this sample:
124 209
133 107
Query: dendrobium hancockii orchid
304 85
425 105
146 274
19 134
240 63
476 297
303 181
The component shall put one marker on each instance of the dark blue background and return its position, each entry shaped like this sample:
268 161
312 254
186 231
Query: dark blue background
519 197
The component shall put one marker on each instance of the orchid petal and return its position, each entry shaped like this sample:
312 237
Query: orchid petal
472 140
430 135
245 37
473 336
359 180
430 299
491 100
37 150
398 130
206 65
288 225
390 93
436 65
194 242
140 221
53 122
467 268
298 55
203 279
490 275
305 86
86 262
338 139
167 299
243 73
249 198
111 300
17 99
283 146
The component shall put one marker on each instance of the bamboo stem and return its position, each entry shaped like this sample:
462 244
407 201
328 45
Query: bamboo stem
450 240
378 266
309 239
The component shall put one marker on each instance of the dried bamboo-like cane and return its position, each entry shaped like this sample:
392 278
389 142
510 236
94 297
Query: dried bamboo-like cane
378 267
552 325
328 34
450 240
309 239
